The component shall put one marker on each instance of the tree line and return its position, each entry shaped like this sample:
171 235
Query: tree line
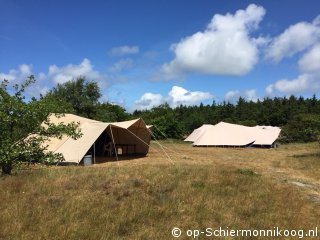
298 117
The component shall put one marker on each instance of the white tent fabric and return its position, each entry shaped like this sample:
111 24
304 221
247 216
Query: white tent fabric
226 134
197 133
268 135
134 132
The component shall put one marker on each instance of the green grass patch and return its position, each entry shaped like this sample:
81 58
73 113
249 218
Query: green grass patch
247 172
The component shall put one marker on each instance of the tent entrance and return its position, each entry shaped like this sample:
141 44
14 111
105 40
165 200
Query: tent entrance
118 144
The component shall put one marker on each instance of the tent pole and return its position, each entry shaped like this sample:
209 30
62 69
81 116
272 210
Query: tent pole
114 145
94 153
161 146
140 139
163 149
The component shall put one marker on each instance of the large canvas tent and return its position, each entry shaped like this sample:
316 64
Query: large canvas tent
128 138
228 135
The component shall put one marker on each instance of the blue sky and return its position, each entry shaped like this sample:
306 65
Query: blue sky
144 53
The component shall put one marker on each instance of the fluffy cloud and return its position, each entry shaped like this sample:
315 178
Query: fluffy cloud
176 96
55 75
251 95
307 81
301 37
310 62
17 75
297 85
71 71
224 47
124 50
269 90
233 96
294 39
303 83
121 65
148 100
179 95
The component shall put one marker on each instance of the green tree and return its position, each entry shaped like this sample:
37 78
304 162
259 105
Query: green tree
302 128
107 112
22 136
79 96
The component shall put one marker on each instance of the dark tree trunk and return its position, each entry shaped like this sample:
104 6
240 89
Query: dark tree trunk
6 168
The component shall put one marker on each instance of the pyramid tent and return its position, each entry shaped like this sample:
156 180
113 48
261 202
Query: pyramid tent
227 134
134 135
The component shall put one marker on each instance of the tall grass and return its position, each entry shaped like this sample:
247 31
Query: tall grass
145 200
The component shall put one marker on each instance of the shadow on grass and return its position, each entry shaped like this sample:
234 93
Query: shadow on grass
306 161
308 155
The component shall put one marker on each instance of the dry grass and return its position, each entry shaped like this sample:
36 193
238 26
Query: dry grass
145 198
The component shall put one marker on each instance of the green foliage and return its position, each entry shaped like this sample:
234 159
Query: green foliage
21 133
165 122
298 117
302 128
107 112
80 96
247 172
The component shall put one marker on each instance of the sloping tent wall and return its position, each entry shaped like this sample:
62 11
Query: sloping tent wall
134 133
226 134
268 135
197 133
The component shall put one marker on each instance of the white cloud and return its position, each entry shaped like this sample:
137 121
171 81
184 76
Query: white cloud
179 95
224 47
304 83
124 50
301 37
121 65
269 90
148 101
71 71
310 62
55 75
294 39
251 95
176 96
307 81
232 96
300 84
17 75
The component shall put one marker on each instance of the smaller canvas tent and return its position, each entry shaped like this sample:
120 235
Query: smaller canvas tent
129 138
233 135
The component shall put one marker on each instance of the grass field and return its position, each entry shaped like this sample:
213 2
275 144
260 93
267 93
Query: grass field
145 198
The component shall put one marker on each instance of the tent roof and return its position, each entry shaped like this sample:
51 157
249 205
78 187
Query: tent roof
267 135
127 124
227 134
197 133
68 118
